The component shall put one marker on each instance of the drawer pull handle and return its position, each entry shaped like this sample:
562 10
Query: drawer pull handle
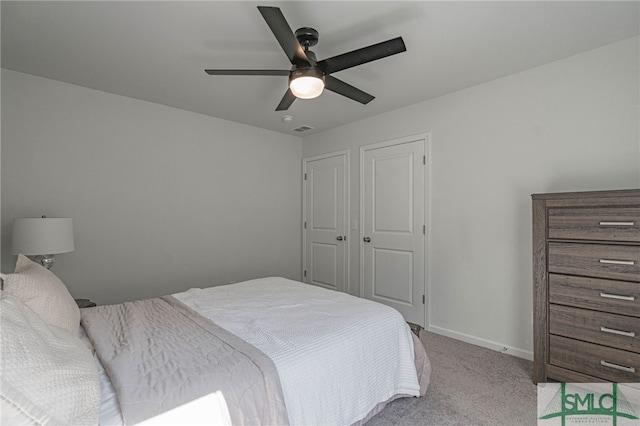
618 262
618 367
617 223
618 296
620 332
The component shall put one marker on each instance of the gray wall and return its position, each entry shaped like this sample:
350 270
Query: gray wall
567 126
162 199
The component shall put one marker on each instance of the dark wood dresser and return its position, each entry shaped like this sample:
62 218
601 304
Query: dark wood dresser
586 286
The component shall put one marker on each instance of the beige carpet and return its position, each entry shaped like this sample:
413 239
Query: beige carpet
470 385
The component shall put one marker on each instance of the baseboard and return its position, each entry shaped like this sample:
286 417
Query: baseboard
498 347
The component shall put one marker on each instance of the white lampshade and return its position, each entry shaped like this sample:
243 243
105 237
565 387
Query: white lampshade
42 235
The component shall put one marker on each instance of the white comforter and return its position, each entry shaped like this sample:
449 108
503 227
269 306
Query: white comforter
343 357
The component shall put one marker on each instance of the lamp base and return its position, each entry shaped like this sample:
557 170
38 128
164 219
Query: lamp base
46 260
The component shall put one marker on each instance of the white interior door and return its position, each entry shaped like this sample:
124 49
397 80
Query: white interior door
393 226
325 215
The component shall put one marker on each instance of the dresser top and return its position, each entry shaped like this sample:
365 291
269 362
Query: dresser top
588 194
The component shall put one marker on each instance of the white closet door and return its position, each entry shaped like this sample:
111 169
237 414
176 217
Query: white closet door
325 245
393 224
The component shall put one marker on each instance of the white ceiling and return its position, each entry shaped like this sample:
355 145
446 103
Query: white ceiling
157 51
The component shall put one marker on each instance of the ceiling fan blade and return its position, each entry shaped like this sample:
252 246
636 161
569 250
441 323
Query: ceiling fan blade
286 101
344 89
282 31
248 72
362 56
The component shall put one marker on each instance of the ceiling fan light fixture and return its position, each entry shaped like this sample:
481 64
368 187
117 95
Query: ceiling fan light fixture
306 83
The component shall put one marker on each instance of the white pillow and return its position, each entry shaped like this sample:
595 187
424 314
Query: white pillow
44 293
47 376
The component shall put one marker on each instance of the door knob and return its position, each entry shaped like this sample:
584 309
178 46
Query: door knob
340 238
366 239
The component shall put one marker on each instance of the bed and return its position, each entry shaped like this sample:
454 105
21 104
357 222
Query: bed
266 351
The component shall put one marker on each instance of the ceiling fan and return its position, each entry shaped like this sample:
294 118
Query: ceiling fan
308 77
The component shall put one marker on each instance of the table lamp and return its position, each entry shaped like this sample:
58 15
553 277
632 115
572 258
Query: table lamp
42 237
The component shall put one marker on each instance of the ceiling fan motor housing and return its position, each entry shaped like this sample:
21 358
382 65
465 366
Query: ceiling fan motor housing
307 37
306 72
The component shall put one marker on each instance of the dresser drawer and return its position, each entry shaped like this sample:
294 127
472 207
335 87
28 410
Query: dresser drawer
618 297
601 224
613 330
610 364
595 260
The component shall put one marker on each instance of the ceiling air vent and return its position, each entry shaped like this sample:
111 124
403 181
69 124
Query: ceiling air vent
302 128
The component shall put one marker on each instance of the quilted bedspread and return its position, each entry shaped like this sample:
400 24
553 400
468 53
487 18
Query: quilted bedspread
161 355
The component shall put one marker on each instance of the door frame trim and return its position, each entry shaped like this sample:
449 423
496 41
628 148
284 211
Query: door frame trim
426 138
347 215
